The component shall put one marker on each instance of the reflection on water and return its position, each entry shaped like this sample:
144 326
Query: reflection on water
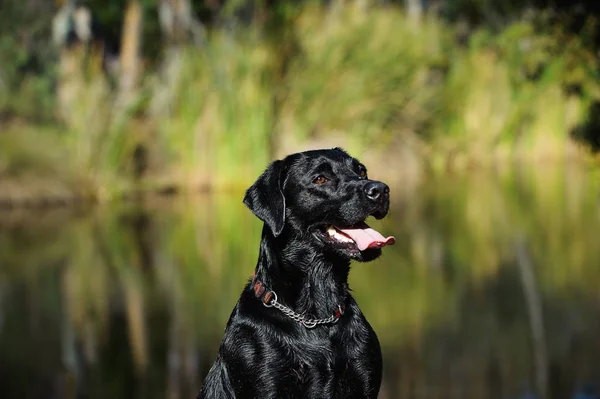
491 291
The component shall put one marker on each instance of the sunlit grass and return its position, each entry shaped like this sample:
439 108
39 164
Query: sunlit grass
516 98
366 72
216 118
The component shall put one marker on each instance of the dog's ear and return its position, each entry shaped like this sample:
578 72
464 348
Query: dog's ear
265 198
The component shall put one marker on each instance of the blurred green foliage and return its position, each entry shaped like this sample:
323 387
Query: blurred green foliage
366 77
26 61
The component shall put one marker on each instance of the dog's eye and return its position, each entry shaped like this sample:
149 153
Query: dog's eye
362 173
320 180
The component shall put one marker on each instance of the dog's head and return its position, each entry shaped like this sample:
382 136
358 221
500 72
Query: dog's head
327 194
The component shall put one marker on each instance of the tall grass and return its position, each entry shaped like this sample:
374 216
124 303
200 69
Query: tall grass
216 120
513 95
88 150
368 73
386 83
407 97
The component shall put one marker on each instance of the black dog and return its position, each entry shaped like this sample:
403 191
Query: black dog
296 332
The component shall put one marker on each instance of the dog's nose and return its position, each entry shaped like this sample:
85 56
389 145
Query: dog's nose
377 191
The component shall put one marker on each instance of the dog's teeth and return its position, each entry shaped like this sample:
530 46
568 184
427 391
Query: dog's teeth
341 237
333 233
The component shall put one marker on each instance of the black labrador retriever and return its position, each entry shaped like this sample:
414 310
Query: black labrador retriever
296 332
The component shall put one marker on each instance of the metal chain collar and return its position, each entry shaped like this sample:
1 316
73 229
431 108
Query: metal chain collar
302 319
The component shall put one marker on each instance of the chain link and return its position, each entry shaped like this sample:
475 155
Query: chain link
306 322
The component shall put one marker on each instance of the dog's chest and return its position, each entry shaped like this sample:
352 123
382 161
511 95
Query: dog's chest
321 349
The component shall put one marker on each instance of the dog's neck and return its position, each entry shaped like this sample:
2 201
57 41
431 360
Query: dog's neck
308 282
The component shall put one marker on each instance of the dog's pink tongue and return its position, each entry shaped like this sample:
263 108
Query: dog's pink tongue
366 237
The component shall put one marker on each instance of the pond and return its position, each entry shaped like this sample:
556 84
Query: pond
491 291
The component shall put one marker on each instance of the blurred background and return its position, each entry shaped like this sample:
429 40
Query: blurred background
130 128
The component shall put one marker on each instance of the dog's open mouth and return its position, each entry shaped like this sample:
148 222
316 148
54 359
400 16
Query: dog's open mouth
361 235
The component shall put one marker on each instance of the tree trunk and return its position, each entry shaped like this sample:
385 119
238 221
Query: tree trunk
414 9
130 65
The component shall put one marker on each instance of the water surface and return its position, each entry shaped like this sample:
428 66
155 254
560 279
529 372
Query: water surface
491 291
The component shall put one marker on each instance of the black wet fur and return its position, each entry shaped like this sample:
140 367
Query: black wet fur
265 354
